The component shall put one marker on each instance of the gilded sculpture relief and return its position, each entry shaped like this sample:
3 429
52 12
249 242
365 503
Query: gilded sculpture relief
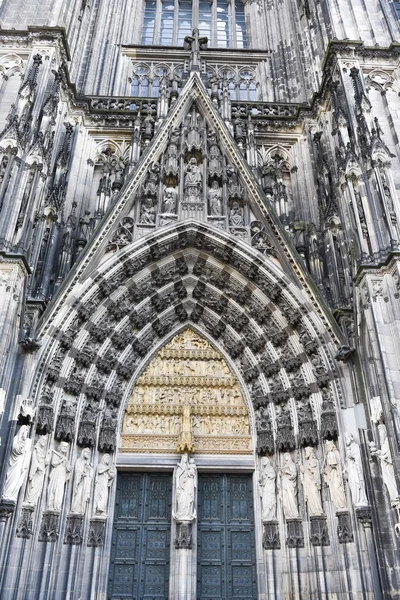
187 400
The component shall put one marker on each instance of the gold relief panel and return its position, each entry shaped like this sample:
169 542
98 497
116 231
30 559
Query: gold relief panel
187 400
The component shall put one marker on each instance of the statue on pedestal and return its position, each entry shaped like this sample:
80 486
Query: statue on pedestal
268 490
17 464
185 485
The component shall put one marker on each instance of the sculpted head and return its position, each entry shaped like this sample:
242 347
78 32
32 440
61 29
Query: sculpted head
63 447
106 459
85 454
348 437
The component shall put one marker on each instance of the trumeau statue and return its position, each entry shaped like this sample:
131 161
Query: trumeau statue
82 483
268 490
59 475
311 479
288 487
104 478
186 486
386 461
333 476
18 464
355 471
36 472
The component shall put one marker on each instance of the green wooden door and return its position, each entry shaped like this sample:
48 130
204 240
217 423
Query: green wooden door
226 563
140 550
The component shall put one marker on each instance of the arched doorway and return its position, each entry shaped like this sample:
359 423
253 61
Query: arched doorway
187 402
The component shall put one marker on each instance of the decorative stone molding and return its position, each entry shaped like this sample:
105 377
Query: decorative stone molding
96 534
183 538
6 509
295 536
49 527
345 532
271 538
319 535
25 525
74 530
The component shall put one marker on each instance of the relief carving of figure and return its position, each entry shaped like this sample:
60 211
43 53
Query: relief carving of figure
288 487
355 471
215 200
36 471
82 483
18 464
104 478
333 476
186 486
267 490
311 479
236 215
59 474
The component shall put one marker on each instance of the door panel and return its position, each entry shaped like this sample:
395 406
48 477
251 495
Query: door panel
226 551
139 567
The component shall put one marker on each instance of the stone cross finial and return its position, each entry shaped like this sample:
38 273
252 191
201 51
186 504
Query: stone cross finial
195 43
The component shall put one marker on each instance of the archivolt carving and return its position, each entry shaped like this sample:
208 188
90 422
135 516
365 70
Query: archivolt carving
187 396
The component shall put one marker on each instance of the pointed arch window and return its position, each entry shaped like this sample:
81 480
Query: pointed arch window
168 22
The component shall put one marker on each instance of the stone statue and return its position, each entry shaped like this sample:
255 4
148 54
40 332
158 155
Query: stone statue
59 474
386 461
355 471
288 487
311 479
186 484
148 213
104 478
17 464
236 215
333 476
36 472
193 183
267 490
195 43
169 200
82 483
214 200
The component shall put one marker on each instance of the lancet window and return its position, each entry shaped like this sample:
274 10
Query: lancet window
168 22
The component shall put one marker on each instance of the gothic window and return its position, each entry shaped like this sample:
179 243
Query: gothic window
397 7
168 22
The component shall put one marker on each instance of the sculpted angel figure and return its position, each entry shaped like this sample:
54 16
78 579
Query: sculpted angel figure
104 478
355 471
311 479
36 471
268 490
82 483
288 487
333 476
59 474
18 464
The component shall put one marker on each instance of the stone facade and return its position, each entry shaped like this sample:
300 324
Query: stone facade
250 197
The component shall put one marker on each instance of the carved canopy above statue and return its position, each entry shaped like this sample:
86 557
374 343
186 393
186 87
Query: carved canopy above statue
187 400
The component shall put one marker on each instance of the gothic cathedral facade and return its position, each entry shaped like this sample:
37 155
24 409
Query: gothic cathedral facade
199 300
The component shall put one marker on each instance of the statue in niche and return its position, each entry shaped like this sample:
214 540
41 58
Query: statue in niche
59 475
288 487
18 464
333 476
150 187
36 471
214 161
215 200
267 490
82 483
148 212
235 189
171 154
311 479
169 200
193 182
386 461
185 485
355 471
236 218
104 478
